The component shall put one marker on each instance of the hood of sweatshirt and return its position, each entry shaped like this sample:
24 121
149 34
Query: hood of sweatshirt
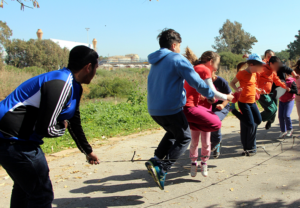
290 80
155 57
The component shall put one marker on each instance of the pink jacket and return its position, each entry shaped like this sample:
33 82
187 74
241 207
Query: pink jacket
287 96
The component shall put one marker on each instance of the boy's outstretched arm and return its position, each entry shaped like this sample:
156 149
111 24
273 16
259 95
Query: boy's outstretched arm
186 70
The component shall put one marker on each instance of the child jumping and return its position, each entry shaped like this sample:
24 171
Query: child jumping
221 109
198 111
250 115
265 81
286 105
166 97
297 99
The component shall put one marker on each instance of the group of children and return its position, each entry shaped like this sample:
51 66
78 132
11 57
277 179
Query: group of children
189 101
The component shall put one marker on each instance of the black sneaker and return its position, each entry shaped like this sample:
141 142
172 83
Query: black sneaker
268 125
244 153
250 153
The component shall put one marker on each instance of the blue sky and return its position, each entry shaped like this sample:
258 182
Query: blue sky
131 26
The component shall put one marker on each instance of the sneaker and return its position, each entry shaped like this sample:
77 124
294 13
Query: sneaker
231 107
194 166
204 170
282 135
217 151
250 153
156 172
161 175
268 125
289 133
150 164
244 153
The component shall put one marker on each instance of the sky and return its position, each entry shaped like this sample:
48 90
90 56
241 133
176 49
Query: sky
131 26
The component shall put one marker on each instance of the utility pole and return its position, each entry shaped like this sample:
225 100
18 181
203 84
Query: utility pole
87 30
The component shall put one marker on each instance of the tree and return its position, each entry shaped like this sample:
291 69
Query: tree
41 53
233 39
5 34
284 55
34 2
230 60
294 47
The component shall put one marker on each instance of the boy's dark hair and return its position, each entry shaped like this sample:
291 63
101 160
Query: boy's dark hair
268 51
274 59
80 56
167 37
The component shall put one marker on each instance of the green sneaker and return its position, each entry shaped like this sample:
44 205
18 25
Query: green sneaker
161 175
156 172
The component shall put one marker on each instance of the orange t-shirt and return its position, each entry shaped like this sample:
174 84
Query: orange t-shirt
266 79
192 96
248 82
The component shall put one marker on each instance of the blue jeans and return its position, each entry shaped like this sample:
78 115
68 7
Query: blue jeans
250 115
176 140
26 164
284 115
216 136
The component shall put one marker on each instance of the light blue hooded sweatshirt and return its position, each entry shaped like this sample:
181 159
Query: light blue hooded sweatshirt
166 95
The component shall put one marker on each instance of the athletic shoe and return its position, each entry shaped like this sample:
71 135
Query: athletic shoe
282 135
204 170
244 153
161 175
250 153
231 107
268 125
194 166
217 151
289 133
150 166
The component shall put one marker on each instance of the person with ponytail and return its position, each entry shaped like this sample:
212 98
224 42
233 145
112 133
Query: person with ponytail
198 110
249 115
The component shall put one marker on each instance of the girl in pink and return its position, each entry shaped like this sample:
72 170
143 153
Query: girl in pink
198 110
297 98
286 104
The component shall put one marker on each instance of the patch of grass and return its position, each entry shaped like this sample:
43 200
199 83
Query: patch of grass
107 119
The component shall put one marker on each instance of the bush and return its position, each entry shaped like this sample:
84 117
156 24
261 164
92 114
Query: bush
117 87
40 53
230 60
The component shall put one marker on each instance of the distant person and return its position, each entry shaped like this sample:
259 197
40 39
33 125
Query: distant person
166 97
43 106
286 105
198 110
249 115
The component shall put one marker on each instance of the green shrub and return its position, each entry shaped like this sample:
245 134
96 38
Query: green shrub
230 60
116 87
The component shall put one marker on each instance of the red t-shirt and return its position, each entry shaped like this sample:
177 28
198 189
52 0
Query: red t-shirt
192 96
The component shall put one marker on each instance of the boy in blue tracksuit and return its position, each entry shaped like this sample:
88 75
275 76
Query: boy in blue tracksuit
43 106
166 97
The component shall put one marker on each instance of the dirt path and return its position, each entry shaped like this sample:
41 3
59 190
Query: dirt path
234 181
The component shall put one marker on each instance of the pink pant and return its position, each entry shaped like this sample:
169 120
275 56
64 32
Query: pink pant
205 149
202 119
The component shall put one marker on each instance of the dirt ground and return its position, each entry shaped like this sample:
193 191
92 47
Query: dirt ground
233 181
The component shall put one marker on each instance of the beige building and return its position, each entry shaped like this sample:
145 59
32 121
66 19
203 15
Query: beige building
124 59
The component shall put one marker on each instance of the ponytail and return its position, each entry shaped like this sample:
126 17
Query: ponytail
297 67
189 54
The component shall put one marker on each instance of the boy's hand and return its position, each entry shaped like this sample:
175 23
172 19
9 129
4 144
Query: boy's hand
211 101
288 89
297 76
92 159
239 90
202 97
220 107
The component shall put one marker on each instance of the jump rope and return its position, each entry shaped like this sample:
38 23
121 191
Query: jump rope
206 156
